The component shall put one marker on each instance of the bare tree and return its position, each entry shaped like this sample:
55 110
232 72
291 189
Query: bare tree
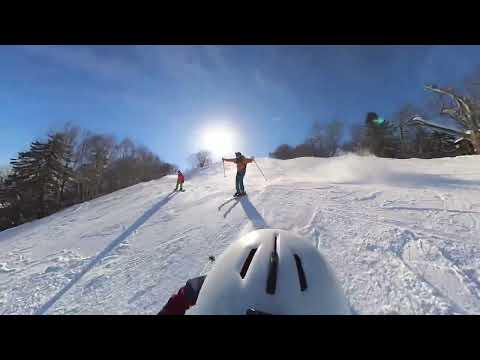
465 113
471 83
408 138
95 155
303 150
283 152
325 137
317 139
200 159
126 149
357 139
333 135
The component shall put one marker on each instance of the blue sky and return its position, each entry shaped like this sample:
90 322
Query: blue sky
165 96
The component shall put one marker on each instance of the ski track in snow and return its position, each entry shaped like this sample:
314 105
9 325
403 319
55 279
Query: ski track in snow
402 241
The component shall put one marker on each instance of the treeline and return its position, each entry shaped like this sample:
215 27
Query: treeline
394 138
69 167
385 138
324 140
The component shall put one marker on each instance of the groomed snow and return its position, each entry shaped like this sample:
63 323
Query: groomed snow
402 236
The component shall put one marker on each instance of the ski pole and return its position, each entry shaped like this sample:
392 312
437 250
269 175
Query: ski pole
260 170
211 260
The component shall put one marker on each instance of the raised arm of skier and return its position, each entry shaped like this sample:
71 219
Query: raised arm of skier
234 160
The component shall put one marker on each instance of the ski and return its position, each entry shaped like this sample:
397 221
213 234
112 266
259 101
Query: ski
227 201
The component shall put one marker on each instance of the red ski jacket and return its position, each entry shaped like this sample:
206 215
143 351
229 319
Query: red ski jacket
181 178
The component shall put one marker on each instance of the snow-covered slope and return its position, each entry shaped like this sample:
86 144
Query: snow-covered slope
402 236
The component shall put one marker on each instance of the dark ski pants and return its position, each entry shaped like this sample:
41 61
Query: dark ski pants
239 181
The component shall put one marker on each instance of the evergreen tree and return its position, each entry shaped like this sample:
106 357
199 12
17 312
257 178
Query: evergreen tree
59 172
11 213
42 173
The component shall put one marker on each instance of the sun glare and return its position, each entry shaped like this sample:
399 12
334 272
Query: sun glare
220 141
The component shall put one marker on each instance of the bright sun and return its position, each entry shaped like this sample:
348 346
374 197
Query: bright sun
219 140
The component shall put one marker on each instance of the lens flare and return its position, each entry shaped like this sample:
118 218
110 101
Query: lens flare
220 141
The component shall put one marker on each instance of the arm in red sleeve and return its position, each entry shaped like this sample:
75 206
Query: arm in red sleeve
177 304
186 297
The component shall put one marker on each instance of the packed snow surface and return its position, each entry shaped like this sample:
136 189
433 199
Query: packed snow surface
401 235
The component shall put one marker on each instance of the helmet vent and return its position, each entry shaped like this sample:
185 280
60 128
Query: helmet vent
301 273
247 262
273 269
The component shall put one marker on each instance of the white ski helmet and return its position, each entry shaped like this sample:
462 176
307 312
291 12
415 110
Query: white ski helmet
272 272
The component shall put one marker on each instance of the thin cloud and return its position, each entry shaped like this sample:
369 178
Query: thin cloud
177 62
85 59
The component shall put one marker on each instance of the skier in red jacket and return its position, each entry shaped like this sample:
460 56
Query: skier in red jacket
180 181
